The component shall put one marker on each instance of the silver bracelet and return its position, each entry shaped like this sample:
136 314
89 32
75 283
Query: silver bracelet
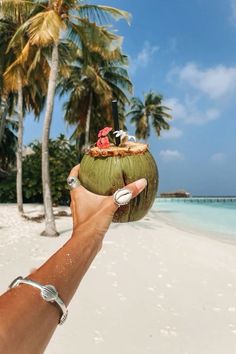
48 293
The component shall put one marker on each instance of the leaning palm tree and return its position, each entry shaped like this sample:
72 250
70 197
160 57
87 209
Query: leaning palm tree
147 112
52 18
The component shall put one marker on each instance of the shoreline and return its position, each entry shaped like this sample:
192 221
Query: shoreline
211 218
218 236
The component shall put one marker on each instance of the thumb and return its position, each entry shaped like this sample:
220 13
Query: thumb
136 187
104 216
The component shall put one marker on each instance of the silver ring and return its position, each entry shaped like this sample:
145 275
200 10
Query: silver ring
122 196
73 182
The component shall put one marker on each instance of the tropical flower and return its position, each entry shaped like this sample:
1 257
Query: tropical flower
103 142
123 136
104 131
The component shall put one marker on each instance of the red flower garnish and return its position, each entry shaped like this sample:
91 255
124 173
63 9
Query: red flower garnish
103 142
104 131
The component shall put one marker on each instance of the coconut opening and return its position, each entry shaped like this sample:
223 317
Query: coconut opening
129 148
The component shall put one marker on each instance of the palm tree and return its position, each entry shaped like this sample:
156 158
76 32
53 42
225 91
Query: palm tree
6 98
14 14
92 82
44 28
151 109
18 63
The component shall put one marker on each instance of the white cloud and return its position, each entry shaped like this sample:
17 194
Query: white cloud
212 114
197 117
216 82
173 133
171 155
189 113
218 157
143 58
178 109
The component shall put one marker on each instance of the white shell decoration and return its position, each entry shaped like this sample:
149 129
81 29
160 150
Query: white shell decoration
122 196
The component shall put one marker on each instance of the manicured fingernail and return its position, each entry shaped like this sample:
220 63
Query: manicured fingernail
141 184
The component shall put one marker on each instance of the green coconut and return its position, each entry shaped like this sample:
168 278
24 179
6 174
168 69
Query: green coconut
103 171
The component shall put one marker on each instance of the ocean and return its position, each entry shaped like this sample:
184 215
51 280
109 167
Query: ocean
212 216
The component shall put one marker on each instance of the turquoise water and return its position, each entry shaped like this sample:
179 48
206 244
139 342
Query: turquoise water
209 215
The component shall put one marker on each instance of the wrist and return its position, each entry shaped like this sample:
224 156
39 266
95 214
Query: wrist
88 235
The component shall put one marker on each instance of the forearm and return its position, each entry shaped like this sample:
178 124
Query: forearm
27 321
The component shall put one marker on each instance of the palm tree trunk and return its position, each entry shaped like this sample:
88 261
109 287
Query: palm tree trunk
88 119
3 119
148 130
19 195
50 226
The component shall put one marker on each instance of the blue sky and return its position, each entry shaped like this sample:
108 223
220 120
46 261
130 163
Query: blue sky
186 51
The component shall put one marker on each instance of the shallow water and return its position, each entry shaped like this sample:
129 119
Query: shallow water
205 215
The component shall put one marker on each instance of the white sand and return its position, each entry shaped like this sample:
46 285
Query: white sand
152 289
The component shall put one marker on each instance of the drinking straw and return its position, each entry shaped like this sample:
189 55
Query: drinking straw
115 119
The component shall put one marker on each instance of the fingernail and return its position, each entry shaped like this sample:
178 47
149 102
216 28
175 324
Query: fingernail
141 184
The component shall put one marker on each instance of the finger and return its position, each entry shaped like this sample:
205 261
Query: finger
75 171
136 187
74 184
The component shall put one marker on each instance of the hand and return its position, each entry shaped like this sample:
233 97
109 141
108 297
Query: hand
95 212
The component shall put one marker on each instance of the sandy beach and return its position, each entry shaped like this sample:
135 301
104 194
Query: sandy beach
153 289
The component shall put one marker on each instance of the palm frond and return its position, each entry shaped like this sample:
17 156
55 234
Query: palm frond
100 13
11 78
96 39
34 62
18 10
16 70
99 85
18 35
136 103
113 69
118 94
160 124
76 108
119 80
133 113
167 108
44 28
